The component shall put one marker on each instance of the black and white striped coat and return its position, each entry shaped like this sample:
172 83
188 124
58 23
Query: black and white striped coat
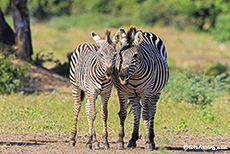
141 72
90 72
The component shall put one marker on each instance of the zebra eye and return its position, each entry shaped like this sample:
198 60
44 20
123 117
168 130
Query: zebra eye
102 54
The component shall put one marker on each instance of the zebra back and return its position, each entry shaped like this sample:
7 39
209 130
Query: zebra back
155 48
78 58
155 44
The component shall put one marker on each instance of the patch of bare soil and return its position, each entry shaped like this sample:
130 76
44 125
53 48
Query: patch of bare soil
40 79
15 143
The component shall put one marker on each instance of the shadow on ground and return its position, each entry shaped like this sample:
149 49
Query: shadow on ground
20 143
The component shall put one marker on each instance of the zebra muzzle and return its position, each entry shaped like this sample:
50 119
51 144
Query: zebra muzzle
108 72
124 76
122 81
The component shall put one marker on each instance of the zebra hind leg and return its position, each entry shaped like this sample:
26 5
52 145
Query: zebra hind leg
95 142
136 107
76 92
146 119
152 111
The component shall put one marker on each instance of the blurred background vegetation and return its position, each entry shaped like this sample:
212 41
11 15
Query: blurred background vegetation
211 16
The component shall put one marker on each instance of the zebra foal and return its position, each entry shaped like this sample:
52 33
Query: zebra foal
140 73
90 72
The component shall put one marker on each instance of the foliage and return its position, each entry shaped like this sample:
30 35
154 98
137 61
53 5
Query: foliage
62 69
203 14
42 58
59 68
221 31
10 77
200 14
45 9
152 11
196 89
217 69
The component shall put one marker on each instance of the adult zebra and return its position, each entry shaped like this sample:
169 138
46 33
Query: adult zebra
90 72
141 72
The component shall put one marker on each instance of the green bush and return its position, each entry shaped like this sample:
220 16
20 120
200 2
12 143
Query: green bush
43 58
217 69
221 31
196 89
60 68
152 11
10 77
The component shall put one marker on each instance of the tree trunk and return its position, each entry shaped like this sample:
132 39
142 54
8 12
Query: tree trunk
6 33
6 36
22 28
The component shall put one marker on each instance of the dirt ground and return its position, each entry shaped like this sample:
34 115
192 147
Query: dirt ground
15 143
39 79
42 80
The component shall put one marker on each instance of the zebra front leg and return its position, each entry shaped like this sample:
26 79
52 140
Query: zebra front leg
136 107
122 115
77 106
104 116
91 115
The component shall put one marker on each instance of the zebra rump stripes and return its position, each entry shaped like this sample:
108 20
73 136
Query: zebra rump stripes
140 73
90 72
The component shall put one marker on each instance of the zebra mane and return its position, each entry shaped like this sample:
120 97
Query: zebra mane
130 34
107 35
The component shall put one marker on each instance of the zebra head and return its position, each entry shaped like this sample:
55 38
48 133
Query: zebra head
128 61
106 51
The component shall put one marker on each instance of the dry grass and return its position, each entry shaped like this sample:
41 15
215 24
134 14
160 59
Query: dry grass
184 48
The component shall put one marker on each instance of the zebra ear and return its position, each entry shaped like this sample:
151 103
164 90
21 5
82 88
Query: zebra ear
131 34
116 37
96 38
138 37
123 33
107 36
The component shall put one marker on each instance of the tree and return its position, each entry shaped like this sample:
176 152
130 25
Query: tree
6 33
201 13
22 28
6 36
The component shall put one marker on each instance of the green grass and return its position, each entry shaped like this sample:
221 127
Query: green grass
53 114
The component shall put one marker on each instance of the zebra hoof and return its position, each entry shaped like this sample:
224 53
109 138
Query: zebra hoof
153 145
96 146
106 147
72 143
88 147
132 144
120 146
149 146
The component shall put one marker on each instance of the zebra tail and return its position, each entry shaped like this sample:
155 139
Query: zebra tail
82 95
